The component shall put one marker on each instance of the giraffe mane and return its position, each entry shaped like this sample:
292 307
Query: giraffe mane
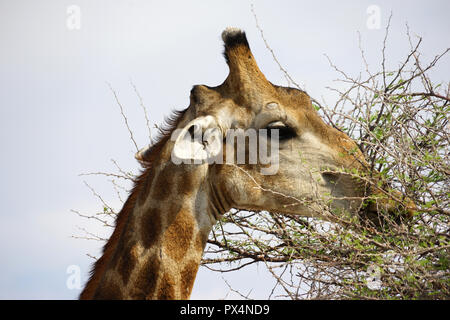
140 188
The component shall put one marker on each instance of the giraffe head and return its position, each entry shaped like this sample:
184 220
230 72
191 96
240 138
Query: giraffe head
245 144
305 159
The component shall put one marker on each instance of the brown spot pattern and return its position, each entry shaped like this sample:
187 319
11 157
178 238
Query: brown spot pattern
145 188
150 227
160 192
127 263
185 184
108 290
166 289
146 280
187 278
178 235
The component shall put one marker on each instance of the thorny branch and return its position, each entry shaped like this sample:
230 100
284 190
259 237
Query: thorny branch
399 118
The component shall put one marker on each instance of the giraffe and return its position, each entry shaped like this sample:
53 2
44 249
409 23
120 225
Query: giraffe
156 247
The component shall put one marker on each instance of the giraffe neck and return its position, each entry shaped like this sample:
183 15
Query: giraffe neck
160 248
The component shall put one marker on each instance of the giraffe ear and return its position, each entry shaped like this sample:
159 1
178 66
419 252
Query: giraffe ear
200 140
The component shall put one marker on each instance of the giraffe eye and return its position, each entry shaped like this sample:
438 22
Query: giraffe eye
284 132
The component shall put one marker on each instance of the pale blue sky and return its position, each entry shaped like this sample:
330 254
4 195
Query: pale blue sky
58 117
